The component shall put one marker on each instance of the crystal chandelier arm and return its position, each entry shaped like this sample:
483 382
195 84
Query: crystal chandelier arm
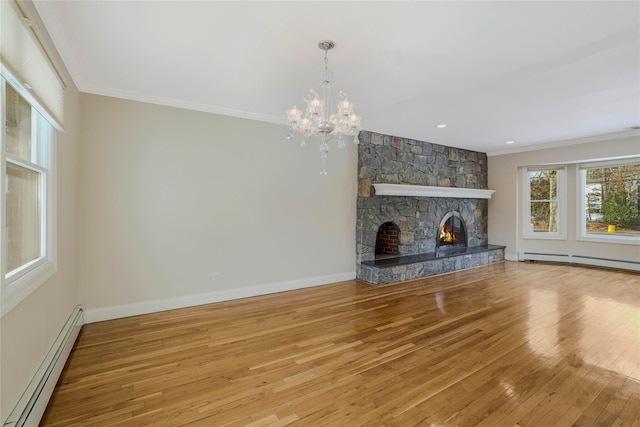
293 117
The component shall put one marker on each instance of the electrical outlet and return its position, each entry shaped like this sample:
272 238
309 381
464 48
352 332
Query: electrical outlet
215 277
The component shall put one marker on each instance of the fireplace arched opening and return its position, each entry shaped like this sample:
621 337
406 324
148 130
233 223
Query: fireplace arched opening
452 232
387 239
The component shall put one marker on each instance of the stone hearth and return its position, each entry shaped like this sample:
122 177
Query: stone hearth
393 160
398 269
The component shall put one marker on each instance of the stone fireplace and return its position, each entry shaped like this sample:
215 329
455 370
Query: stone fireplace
420 220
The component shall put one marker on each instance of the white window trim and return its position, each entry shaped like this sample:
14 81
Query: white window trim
561 234
581 230
24 282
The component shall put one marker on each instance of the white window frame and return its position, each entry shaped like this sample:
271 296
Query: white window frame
527 232
581 231
17 286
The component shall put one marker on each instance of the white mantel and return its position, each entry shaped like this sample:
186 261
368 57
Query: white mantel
427 191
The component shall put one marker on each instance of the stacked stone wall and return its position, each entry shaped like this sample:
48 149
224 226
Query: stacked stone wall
394 160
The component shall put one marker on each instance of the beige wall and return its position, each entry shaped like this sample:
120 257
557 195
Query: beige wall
29 329
505 218
168 196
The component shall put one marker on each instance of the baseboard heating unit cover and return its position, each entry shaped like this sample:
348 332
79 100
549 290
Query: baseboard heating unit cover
33 402
581 259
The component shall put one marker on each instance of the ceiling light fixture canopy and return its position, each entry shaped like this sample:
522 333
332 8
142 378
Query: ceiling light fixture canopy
318 119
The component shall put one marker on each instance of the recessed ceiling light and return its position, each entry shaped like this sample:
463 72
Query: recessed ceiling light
441 126
509 142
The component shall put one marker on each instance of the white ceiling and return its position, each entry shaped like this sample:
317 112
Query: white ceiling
528 71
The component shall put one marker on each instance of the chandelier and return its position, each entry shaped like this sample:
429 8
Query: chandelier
318 120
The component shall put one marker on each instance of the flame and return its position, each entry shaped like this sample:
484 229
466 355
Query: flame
446 235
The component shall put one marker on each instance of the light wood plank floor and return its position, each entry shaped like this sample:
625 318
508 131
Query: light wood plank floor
508 344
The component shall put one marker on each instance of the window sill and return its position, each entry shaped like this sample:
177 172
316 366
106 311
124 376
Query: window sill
21 288
545 237
616 240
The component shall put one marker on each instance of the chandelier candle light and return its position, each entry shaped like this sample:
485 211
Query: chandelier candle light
318 120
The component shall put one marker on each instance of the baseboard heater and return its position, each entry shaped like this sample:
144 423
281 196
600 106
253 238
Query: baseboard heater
35 398
582 259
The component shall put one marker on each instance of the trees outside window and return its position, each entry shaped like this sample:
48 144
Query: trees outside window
543 199
544 191
611 197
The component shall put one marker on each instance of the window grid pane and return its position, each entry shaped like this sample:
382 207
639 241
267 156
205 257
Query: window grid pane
543 185
23 216
544 217
18 125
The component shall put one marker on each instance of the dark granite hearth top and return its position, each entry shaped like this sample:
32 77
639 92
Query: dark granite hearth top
447 253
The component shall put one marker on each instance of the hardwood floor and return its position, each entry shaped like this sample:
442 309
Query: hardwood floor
501 345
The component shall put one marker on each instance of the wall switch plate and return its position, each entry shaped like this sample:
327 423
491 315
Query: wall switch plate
215 277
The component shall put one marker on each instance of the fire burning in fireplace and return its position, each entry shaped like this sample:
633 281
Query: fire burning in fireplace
452 231
447 235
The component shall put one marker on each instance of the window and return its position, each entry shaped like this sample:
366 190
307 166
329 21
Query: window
28 235
31 110
544 199
610 201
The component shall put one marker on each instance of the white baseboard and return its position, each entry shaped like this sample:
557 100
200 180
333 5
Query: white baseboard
31 406
511 257
115 312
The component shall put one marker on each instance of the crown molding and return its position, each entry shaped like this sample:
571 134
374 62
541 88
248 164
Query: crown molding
187 105
566 142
